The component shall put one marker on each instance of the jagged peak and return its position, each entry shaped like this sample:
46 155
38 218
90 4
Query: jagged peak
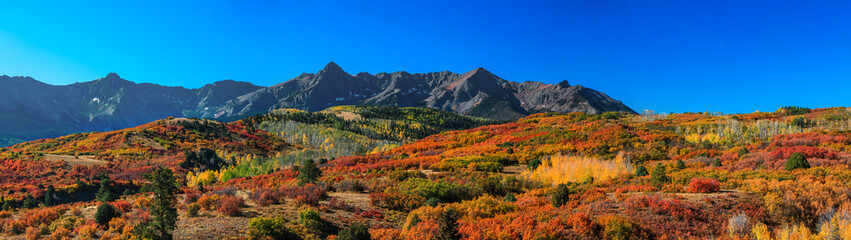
332 67
112 75
112 78
479 70
563 84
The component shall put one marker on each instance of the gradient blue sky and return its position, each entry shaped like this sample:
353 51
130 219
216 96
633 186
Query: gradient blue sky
668 56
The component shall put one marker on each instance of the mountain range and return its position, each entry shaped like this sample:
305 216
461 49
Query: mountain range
31 109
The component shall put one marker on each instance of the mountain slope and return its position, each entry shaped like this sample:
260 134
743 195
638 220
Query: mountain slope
477 93
33 110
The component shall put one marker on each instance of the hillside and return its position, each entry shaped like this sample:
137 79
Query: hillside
545 176
253 146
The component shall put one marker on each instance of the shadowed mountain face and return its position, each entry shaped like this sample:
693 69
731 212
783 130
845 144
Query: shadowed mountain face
31 109
478 93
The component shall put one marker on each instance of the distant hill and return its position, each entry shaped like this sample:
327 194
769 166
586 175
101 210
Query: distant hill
357 130
33 110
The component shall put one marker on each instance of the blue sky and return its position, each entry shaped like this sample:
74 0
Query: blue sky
668 56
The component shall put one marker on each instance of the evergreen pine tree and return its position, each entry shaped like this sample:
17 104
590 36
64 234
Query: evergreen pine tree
447 225
106 193
680 164
163 212
308 172
48 195
29 201
561 195
105 213
797 161
658 176
641 171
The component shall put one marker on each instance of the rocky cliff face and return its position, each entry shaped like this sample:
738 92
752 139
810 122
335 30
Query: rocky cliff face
477 93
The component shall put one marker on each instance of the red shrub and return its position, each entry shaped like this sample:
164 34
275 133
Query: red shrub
230 206
308 194
123 206
704 185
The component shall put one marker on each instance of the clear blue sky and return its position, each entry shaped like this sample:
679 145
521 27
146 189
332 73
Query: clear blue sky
668 56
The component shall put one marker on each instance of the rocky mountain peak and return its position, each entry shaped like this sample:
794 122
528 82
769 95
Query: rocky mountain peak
112 79
332 67
563 84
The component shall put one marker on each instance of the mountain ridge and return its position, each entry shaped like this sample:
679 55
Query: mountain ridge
478 93
39 110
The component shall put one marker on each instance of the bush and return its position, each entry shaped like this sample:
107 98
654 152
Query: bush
617 228
310 219
797 161
447 192
33 233
641 171
447 225
680 164
61 233
270 228
87 231
350 185
230 206
492 185
658 176
716 163
397 201
534 164
510 197
356 231
400 175
560 196
192 209
105 213
704 185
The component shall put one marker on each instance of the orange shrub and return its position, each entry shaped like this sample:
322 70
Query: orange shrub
209 201
88 230
123 206
33 233
385 234
704 185
60 233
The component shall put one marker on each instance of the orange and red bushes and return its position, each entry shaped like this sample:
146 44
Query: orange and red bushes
672 218
230 205
704 185
386 234
812 139
307 194
123 206
809 152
